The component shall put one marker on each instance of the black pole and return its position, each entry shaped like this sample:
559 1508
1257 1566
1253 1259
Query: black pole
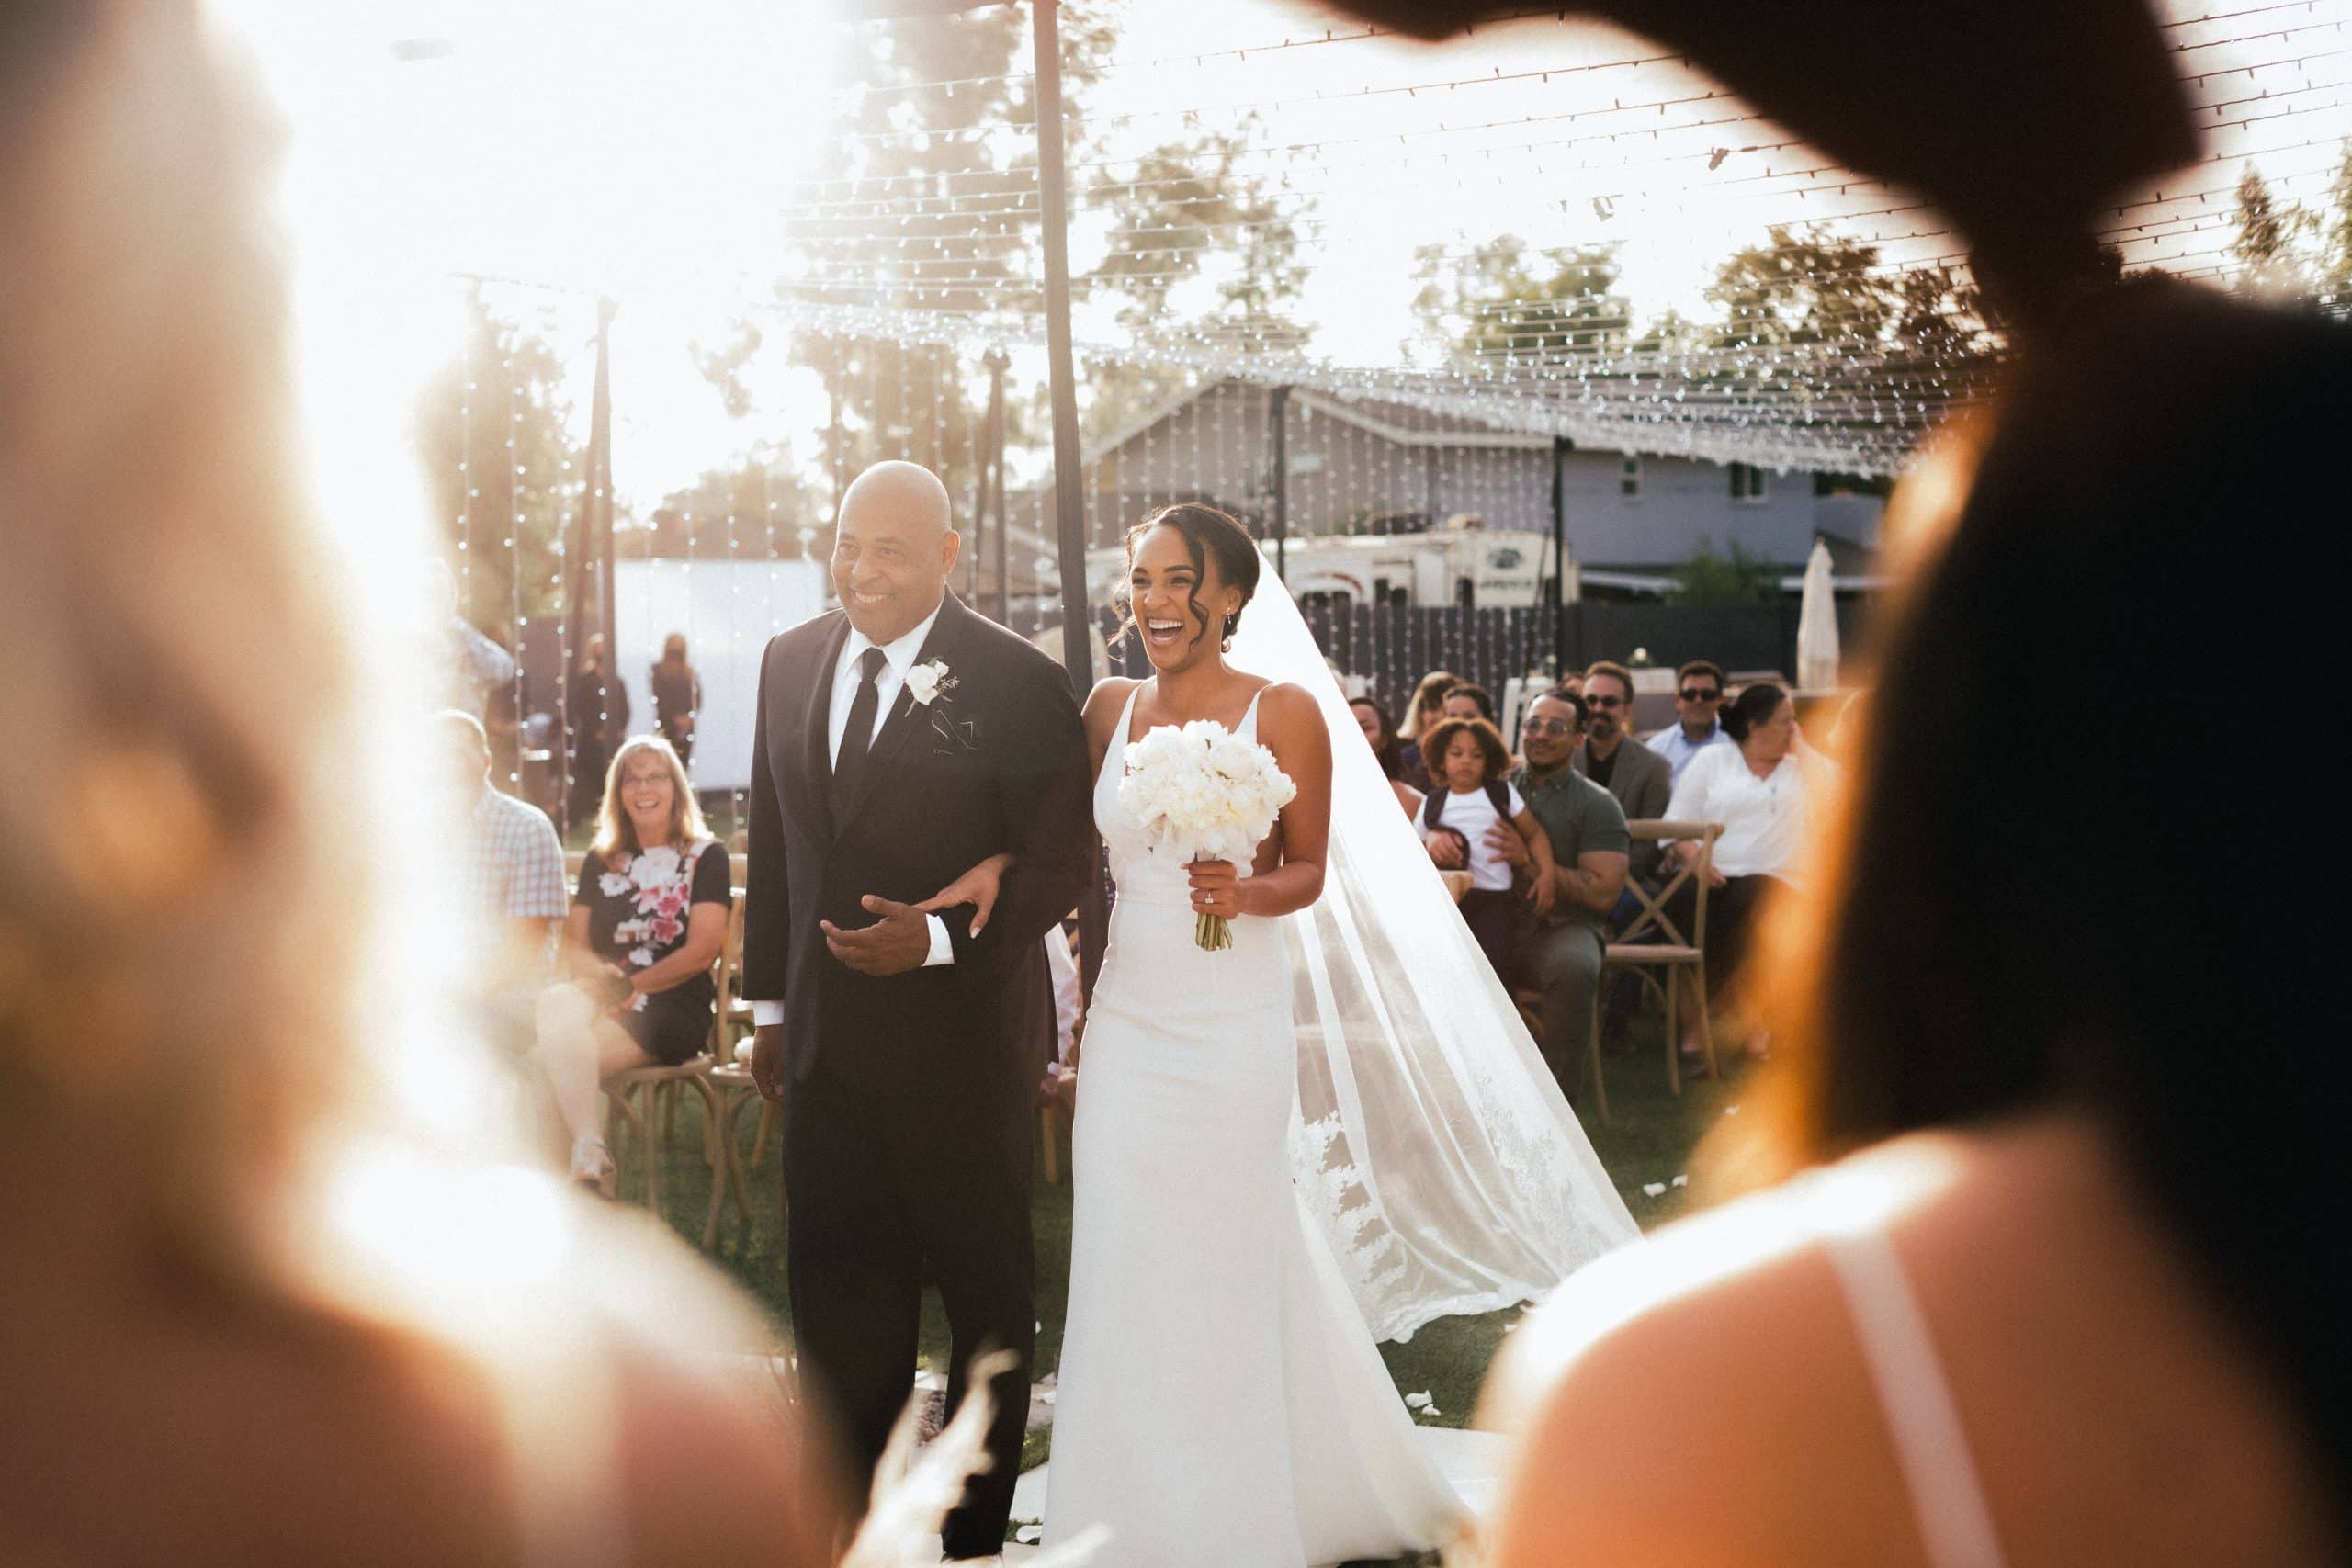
1069 502
1277 412
1555 592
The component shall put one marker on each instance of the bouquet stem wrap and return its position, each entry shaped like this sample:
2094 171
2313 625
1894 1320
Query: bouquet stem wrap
1203 792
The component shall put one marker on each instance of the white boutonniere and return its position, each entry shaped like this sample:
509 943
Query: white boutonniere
926 681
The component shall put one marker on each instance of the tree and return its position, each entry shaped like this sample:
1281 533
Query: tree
2335 236
1504 300
752 510
491 429
1189 213
1803 286
1707 578
2264 244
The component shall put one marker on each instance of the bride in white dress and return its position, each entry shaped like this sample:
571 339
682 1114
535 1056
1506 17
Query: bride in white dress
1221 1398
1329 1134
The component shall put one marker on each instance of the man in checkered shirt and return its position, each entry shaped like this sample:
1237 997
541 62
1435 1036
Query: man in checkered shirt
510 876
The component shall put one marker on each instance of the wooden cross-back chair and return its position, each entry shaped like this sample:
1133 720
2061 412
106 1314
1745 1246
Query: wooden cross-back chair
1650 943
1652 940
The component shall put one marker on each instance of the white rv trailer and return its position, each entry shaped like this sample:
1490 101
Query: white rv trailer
1461 563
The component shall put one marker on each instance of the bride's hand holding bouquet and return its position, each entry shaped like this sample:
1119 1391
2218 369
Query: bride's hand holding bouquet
1205 795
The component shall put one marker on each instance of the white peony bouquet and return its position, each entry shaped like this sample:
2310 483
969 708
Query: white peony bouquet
1203 792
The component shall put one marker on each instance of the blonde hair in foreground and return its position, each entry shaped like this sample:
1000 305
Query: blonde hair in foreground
179 944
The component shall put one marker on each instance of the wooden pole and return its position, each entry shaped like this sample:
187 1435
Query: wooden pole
1069 502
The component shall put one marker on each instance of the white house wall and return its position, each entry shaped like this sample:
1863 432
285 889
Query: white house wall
1215 447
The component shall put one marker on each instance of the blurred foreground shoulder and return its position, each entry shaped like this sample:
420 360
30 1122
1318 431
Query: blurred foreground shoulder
1666 1401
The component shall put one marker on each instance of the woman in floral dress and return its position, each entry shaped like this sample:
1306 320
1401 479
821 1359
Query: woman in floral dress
648 920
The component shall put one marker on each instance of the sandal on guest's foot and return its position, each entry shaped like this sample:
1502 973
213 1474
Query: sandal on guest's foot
592 1164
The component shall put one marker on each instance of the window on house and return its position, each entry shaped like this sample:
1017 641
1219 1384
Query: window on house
1629 478
1749 485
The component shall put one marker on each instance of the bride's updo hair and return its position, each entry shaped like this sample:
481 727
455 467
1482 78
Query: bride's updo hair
1207 532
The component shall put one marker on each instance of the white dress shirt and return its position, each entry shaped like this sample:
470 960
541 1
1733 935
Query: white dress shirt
898 657
1764 819
1674 744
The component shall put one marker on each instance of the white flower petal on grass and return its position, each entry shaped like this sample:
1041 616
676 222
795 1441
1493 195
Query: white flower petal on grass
1682 1181
1417 1401
1654 1189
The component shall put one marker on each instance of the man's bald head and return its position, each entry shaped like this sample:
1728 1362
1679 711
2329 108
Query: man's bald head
908 491
894 545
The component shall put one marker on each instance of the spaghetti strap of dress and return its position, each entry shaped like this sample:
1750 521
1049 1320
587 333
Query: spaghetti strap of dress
1930 1444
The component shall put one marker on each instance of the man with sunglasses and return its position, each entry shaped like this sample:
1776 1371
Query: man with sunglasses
1698 696
1640 779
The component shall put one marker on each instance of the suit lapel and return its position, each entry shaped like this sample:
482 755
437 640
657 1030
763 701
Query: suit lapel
907 715
819 716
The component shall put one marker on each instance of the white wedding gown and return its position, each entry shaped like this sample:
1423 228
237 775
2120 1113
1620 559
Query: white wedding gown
1221 1403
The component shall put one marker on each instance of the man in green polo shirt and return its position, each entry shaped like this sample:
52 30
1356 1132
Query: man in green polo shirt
1561 954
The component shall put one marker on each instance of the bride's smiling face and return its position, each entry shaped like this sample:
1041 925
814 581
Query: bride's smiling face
1179 604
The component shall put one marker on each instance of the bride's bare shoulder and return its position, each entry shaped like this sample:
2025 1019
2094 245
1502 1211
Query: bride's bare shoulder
1104 703
1285 707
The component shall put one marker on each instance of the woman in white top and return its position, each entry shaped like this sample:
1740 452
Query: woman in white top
1758 789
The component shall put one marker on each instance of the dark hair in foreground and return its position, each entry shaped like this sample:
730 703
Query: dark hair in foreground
1755 705
1440 736
1208 533
1964 955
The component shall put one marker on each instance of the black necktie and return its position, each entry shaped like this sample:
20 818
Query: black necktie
858 734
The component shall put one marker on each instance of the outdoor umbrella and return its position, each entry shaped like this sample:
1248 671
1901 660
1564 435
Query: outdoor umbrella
1817 624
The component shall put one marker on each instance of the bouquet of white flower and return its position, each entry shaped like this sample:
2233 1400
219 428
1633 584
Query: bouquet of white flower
1203 792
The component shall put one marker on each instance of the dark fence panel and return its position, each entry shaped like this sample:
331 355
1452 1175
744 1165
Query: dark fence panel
1394 646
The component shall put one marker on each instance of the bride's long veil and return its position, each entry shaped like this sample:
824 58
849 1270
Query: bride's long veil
1432 1144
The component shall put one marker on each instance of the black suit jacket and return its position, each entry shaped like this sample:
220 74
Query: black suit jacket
998 763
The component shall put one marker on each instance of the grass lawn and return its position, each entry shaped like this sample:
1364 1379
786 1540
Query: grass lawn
1649 1140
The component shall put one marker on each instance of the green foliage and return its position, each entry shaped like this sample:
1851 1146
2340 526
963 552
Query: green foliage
1504 299
2335 236
2265 245
491 429
1739 578
752 510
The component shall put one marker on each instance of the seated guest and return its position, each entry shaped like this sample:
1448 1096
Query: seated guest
1468 699
509 883
1426 708
1380 734
1698 694
1473 796
1561 952
2057 1292
1758 789
648 921
1638 777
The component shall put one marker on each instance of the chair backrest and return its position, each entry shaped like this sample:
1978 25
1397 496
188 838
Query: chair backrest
1652 921
725 970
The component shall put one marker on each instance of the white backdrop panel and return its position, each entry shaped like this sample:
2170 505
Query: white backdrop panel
727 611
